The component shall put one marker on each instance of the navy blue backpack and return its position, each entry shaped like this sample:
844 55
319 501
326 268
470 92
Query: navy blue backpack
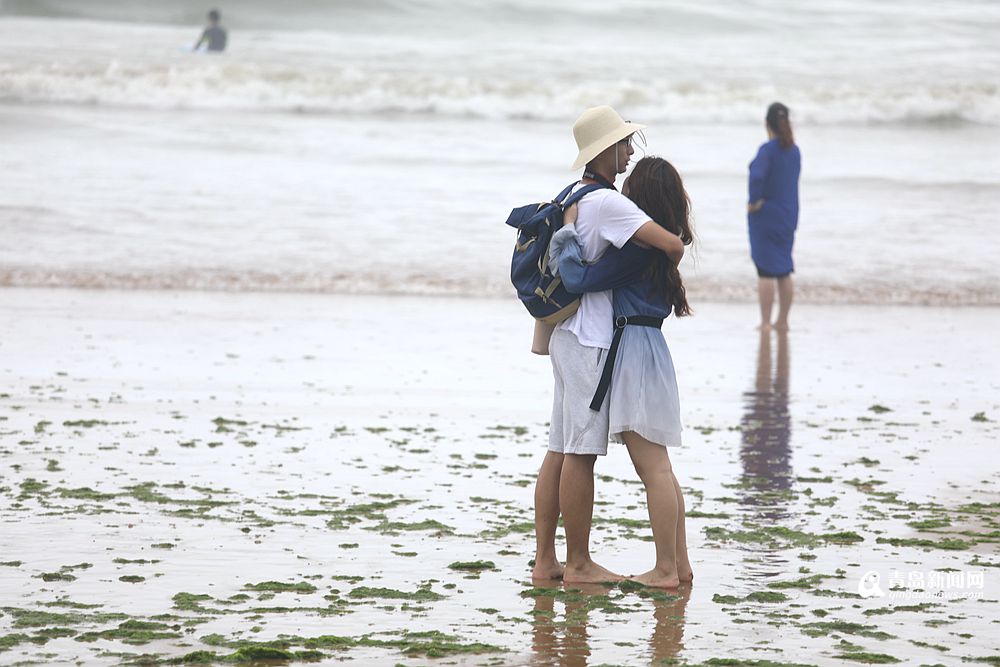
543 294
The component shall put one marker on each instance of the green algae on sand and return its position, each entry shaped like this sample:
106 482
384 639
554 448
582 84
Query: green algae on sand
473 566
281 587
33 618
83 493
85 423
756 596
367 592
431 643
391 527
134 632
780 535
868 658
948 544
223 425
823 628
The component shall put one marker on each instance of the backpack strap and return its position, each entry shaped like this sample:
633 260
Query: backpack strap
579 194
565 193
609 362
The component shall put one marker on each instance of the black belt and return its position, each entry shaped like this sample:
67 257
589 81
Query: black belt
621 322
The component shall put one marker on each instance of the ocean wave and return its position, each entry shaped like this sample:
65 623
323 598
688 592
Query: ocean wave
808 290
251 13
242 86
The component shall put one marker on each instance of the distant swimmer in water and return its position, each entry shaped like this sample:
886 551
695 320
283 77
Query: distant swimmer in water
214 35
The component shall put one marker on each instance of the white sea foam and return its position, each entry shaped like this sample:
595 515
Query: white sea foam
850 62
232 85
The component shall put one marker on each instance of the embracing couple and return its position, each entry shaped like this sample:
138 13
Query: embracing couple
614 378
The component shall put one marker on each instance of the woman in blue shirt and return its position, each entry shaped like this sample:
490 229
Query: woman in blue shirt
644 407
773 215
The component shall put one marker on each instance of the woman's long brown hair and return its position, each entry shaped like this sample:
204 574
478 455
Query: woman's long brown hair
656 187
777 120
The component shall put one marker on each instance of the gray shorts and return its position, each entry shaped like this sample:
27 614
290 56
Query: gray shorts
576 429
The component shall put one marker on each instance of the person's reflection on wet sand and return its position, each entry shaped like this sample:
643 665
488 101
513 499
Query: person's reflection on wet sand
765 451
544 640
667 640
565 642
572 647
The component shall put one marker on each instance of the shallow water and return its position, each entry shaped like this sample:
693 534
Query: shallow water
414 204
421 451
378 147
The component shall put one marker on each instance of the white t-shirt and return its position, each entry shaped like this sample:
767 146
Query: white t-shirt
606 217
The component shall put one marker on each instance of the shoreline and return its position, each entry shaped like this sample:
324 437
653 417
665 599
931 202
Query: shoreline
805 294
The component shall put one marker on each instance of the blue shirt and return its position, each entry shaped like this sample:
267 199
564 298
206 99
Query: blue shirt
774 177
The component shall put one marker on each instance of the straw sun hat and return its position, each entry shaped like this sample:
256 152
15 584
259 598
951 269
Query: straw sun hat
598 128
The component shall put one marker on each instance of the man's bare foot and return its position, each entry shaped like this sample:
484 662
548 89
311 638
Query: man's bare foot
550 571
764 328
589 573
781 327
657 579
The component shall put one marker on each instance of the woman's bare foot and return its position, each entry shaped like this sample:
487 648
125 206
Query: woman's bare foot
781 327
684 571
657 578
764 328
589 573
552 570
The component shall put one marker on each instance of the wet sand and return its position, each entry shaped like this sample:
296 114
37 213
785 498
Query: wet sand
348 479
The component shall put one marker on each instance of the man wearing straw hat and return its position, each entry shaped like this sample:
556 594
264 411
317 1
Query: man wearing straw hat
578 435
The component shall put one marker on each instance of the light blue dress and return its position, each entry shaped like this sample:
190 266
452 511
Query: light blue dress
644 396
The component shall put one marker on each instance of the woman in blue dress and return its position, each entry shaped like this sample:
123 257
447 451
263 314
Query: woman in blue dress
773 215
644 407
